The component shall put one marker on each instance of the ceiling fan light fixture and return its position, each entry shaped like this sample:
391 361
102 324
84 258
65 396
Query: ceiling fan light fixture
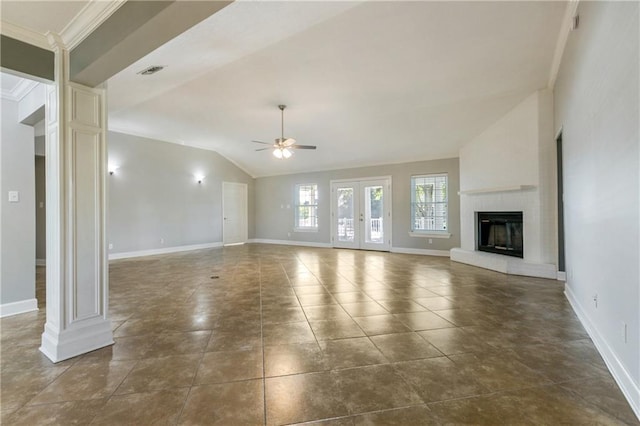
283 147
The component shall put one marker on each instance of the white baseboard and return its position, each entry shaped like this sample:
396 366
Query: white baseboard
629 388
41 262
164 250
21 307
328 245
504 264
290 243
425 252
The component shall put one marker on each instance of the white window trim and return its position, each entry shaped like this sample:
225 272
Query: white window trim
428 233
305 229
296 201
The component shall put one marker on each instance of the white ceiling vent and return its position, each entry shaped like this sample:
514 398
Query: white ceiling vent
151 70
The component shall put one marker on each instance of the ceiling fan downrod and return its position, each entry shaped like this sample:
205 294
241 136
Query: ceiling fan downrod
282 107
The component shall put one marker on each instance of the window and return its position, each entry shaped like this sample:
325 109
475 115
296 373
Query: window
306 207
429 203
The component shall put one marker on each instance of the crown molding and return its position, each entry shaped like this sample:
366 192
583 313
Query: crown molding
20 90
6 94
563 36
92 15
87 20
24 34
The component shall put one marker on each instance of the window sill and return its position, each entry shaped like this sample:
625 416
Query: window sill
429 234
305 229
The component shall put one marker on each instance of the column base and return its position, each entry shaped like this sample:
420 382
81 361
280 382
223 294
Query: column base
76 340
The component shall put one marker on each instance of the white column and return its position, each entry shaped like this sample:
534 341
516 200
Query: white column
77 265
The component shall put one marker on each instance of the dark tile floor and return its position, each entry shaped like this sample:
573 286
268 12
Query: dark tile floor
293 335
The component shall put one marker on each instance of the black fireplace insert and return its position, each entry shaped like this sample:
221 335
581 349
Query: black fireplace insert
500 232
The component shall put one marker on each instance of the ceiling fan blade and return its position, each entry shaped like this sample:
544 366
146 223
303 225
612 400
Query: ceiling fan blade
262 149
288 142
303 146
266 143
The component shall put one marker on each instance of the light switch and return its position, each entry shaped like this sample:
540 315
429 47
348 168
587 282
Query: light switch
14 197
41 204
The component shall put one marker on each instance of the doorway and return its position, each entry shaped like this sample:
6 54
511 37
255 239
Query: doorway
234 213
361 214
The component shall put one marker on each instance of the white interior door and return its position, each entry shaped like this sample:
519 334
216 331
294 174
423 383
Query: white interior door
234 213
361 214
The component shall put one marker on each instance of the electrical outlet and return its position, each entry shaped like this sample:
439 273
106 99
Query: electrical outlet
430 241
161 240
595 300
289 234
110 246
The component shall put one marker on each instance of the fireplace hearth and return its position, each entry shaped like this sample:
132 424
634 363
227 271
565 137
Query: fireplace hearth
500 232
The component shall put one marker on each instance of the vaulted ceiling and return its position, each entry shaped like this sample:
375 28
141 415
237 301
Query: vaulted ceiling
367 82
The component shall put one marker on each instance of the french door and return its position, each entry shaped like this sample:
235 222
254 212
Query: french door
361 214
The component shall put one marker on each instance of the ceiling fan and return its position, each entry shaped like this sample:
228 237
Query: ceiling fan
282 148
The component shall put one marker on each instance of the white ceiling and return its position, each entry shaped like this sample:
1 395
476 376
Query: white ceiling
368 83
41 16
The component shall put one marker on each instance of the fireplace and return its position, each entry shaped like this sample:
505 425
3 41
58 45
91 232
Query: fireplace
500 232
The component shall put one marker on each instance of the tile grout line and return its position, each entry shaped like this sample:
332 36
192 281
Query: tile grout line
298 299
42 390
193 380
341 307
384 410
264 366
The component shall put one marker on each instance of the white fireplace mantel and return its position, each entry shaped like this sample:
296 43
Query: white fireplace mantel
497 189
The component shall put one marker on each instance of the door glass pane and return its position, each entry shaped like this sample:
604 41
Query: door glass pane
373 211
346 230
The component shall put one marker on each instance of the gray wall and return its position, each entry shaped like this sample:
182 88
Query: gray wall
26 58
274 222
41 212
153 194
17 241
596 104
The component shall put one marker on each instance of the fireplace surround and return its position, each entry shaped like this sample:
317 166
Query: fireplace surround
500 232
